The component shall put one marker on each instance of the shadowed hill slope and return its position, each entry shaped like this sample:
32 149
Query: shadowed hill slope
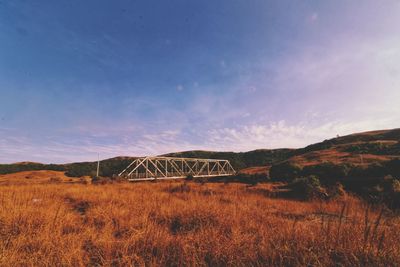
241 160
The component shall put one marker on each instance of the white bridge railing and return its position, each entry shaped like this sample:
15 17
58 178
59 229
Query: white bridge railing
151 168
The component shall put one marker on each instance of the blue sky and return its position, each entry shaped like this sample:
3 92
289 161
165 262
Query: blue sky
128 77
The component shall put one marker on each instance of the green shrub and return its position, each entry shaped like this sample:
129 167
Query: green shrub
335 191
101 180
328 172
393 167
396 186
95 179
390 184
285 171
308 188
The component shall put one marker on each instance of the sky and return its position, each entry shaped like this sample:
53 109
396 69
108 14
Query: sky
135 78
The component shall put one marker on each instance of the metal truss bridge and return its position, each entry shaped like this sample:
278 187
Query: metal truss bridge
152 168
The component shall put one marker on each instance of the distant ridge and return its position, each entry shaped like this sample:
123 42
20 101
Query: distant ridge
26 163
358 148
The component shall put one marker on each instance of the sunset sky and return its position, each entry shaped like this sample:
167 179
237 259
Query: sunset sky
139 78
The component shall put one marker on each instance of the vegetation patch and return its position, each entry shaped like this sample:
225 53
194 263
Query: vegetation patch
80 206
308 188
180 188
186 223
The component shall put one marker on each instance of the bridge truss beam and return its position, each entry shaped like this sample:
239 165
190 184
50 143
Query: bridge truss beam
151 168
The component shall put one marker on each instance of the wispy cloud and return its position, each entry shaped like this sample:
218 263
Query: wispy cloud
215 82
283 135
240 138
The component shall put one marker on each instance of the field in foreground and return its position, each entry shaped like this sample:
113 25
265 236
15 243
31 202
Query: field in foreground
177 223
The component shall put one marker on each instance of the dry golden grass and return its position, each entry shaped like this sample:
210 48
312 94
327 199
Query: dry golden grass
256 170
175 224
38 177
337 157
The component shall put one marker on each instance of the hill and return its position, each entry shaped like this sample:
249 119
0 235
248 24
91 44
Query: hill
241 160
361 149
38 177
115 165
367 164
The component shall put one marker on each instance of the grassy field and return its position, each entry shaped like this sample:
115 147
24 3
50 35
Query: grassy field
177 223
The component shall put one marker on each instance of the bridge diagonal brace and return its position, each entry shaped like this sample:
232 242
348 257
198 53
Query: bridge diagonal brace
133 162
202 168
137 166
155 166
175 166
189 167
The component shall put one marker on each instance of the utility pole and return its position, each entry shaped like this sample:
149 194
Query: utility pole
98 165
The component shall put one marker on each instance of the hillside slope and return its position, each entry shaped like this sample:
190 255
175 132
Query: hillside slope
359 149
241 160
37 177
112 166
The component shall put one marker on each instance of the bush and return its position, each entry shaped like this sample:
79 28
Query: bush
396 186
390 184
329 173
387 192
95 179
393 167
82 180
308 188
336 191
182 188
118 179
285 171
189 177
101 180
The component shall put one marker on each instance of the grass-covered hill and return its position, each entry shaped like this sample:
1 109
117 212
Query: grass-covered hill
109 167
361 149
365 163
367 154
113 166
